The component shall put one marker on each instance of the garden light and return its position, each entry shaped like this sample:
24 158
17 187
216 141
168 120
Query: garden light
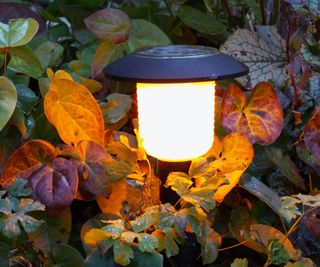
175 94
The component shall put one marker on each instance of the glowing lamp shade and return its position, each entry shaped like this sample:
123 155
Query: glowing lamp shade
176 120
175 91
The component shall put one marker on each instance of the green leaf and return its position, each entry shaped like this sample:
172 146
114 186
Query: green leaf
201 22
147 243
55 230
49 53
24 60
140 259
80 67
172 247
115 228
63 255
145 220
18 32
279 255
123 253
179 182
201 196
260 190
27 99
240 263
8 100
144 33
286 166
18 120
96 259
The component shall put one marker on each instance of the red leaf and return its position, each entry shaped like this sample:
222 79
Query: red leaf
312 134
26 159
259 117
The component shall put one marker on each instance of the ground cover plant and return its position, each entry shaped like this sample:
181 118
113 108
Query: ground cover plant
77 188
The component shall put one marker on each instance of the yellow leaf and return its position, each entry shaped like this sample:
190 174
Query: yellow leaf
258 238
60 74
92 85
74 112
95 236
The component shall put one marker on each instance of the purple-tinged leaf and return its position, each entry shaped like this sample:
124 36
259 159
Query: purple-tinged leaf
109 24
312 134
56 185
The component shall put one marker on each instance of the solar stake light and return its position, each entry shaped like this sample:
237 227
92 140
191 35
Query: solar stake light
175 94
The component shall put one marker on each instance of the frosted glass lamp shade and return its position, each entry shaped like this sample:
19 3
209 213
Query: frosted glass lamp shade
176 120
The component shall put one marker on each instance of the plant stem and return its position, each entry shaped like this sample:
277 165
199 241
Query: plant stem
233 246
263 13
228 10
169 9
5 62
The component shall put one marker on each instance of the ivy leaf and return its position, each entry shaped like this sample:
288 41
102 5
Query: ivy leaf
240 263
28 158
145 220
279 255
95 236
15 211
56 185
288 209
312 134
123 253
18 32
24 60
140 259
93 180
262 51
179 182
144 33
115 228
210 241
200 21
201 196
74 112
8 100
109 24
19 189
172 247
147 243
49 53
259 117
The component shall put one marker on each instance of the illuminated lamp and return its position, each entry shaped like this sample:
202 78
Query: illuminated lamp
175 94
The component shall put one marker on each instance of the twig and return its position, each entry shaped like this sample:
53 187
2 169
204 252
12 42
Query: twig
228 10
233 246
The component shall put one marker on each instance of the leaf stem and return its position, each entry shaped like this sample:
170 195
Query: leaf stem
263 14
233 246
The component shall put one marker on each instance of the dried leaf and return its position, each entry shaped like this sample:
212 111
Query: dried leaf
56 185
259 117
8 100
312 134
109 24
261 51
28 158
74 112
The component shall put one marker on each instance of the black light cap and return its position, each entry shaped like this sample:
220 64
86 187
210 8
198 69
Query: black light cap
175 63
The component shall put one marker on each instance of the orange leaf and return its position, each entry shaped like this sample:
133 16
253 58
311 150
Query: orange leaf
234 158
258 238
259 117
27 159
312 134
74 112
60 74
